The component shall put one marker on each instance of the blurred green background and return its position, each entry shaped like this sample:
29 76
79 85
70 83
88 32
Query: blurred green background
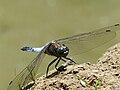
35 22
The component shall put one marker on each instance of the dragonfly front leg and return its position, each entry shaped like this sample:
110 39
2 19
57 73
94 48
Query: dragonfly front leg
50 65
58 62
70 60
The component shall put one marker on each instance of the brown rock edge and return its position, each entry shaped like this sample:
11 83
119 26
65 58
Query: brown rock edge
105 75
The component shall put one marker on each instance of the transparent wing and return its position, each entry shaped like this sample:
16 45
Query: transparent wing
84 42
28 74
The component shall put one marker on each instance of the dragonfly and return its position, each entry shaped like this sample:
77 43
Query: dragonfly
61 49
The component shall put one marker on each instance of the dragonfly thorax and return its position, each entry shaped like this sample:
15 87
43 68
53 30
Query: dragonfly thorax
57 49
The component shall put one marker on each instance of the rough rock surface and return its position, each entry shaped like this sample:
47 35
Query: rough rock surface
104 75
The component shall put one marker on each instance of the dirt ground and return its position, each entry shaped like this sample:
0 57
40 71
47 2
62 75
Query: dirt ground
105 75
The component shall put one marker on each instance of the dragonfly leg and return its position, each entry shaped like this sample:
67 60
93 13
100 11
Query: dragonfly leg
50 65
70 60
62 67
63 60
57 63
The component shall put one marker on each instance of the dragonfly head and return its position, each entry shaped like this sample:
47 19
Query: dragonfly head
62 51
